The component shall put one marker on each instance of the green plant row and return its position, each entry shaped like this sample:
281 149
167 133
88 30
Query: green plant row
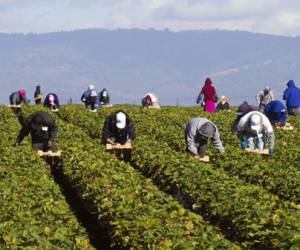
34 213
139 215
257 217
279 176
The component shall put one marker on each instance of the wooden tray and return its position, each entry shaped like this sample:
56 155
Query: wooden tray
203 159
14 106
262 152
49 153
118 146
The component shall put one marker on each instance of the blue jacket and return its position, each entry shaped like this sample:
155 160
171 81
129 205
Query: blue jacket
276 112
292 95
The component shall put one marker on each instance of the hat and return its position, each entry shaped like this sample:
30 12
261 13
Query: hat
37 122
207 130
51 98
93 93
91 87
104 93
255 122
22 92
120 120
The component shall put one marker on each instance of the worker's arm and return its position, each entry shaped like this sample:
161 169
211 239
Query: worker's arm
217 142
23 132
131 131
258 97
191 146
106 134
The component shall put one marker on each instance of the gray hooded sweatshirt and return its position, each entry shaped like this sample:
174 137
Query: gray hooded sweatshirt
193 130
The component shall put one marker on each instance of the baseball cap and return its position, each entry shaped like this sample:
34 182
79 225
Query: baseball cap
120 120
255 122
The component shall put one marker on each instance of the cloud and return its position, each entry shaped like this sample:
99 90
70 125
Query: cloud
267 16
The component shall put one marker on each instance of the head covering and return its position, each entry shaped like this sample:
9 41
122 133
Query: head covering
207 129
223 99
120 120
22 92
255 122
267 90
91 87
104 93
38 87
93 93
37 122
291 83
51 98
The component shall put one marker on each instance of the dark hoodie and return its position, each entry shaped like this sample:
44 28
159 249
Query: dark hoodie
121 135
41 126
276 112
292 95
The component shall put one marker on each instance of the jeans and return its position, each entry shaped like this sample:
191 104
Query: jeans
251 141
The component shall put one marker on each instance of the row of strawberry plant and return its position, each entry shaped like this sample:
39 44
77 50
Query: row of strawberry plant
270 173
259 218
34 213
139 215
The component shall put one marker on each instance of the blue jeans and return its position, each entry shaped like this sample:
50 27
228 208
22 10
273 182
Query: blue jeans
251 141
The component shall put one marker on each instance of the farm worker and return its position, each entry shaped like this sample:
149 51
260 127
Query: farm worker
197 132
292 97
93 99
85 97
264 97
242 110
118 128
104 98
208 96
17 97
150 99
51 101
276 112
43 131
223 103
38 95
253 129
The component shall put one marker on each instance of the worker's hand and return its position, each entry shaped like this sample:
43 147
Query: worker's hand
16 144
50 143
110 141
270 151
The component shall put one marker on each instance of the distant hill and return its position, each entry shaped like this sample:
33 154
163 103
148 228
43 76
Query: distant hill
130 63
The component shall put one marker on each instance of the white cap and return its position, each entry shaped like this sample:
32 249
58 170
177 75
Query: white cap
93 93
104 93
91 87
51 98
121 120
255 122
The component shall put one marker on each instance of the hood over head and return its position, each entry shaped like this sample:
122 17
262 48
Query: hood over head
207 130
291 83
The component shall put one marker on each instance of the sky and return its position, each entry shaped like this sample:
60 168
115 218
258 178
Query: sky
280 17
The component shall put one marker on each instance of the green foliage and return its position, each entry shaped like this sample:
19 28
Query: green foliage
34 213
257 217
139 214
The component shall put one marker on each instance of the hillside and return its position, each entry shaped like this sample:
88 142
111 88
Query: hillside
132 62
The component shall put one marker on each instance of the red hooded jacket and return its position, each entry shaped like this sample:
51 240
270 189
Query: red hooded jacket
208 91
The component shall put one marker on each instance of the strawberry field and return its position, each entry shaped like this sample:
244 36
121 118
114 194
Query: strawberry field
162 199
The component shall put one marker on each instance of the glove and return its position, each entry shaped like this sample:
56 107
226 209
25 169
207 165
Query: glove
270 151
16 144
243 143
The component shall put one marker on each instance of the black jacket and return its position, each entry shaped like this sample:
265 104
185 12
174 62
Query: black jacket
39 133
110 129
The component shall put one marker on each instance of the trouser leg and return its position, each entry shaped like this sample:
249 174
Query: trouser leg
127 155
251 143
202 148
260 143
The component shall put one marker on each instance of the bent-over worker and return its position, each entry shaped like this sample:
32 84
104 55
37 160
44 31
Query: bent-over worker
197 132
42 129
276 113
253 129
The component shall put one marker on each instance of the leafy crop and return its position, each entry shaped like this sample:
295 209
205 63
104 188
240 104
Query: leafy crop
34 213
